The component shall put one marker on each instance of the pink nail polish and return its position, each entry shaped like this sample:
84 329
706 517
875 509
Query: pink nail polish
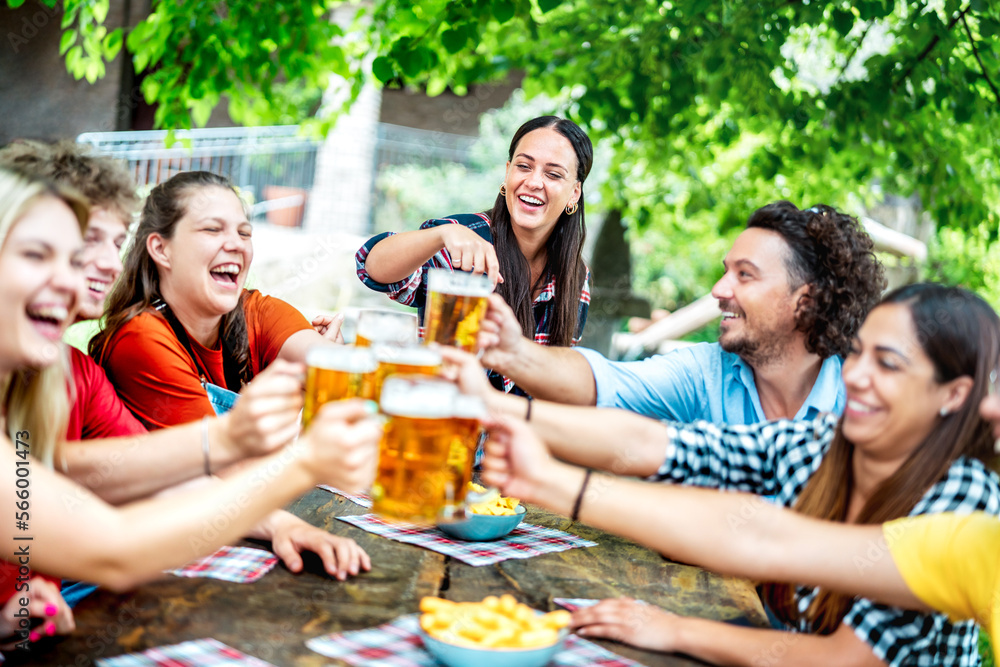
34 636
51 610
50 628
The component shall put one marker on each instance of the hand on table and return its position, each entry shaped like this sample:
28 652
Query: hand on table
470 252
341 556
266 414
328 326
44 602
630 622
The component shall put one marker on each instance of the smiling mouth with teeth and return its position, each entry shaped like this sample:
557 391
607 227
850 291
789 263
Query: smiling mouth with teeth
51 317
97 286
531 201
226 272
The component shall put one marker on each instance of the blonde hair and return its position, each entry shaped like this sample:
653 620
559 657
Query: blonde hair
35 399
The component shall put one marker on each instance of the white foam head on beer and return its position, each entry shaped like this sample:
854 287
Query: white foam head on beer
417 396
388 326
468 407
460 283
410 355
344 358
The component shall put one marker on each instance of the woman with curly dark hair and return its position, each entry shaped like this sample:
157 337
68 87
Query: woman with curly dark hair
797 285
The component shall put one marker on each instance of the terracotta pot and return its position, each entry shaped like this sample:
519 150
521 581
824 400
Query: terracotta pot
289 215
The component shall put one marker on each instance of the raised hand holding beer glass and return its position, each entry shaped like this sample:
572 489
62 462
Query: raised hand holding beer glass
338 372
456 305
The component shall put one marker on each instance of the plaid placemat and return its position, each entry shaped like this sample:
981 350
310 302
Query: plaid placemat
197 653
398 644
242 565
362 500
524 542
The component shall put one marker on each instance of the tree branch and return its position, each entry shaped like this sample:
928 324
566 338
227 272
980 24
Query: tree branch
930 47
982 67
854 52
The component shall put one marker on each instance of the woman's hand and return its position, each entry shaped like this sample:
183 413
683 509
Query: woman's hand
266 415
328 326
342 557
470 252
630 622
341 445
44 602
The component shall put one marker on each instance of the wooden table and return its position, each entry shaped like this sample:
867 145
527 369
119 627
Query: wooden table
272 618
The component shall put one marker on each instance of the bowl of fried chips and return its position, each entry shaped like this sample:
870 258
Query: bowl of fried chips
486 521
497 632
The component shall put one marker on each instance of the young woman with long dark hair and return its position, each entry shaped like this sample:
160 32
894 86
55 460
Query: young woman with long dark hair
530 244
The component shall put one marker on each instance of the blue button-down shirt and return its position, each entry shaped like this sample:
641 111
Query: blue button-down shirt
702 381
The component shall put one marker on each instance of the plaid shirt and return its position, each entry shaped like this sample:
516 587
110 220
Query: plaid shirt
412 290
777 459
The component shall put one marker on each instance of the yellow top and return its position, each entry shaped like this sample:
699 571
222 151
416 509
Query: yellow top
952 563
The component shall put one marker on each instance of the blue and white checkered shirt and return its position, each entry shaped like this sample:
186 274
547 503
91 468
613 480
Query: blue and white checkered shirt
776 459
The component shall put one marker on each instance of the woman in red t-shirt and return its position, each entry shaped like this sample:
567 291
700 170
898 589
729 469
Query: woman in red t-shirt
40 284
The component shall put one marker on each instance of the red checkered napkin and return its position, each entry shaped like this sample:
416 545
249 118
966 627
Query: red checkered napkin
398 644
362 500
240 564
524 542
198 653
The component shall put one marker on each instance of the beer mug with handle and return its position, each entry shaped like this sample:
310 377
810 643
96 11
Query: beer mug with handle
419 470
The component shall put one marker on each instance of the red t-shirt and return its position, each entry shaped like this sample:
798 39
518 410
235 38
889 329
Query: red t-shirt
96 411
156 377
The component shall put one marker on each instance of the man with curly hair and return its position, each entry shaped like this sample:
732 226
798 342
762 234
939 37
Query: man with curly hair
797 285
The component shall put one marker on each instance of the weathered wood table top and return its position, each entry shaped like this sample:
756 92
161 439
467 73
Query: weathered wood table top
272 618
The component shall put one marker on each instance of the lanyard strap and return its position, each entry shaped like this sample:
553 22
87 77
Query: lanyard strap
232 373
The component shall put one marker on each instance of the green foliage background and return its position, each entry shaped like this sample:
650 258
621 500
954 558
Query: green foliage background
705 109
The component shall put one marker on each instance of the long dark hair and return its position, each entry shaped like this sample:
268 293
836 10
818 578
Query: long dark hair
960 334
564 248
139 285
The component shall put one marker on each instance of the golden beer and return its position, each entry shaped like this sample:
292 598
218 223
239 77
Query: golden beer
387 327
338 372
466 411
411 360
456 305
414 482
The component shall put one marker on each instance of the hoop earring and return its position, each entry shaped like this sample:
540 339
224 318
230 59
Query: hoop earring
503 190
571 209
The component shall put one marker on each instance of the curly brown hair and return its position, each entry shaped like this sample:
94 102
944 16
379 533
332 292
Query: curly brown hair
104 181
831 252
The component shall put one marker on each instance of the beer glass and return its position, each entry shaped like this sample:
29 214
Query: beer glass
385 326
466 413
410 360
456 305
414 482
337 372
